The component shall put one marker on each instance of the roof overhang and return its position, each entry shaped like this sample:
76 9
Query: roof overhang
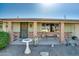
39 20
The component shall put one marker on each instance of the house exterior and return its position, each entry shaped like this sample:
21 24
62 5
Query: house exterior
40 27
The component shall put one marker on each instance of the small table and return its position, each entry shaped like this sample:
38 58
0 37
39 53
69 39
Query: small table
27 49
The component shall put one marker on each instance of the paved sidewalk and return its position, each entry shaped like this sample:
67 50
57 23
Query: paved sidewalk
61 50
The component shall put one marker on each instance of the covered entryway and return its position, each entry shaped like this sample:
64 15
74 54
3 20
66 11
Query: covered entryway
23 30
47 33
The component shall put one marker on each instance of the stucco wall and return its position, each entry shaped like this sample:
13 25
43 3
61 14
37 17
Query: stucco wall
16 27
76 30
69 27
39 27
30 27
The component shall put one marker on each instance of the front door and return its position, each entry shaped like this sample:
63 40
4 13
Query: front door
23 30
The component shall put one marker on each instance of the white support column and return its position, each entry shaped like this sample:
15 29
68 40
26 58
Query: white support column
62 32
35 33
4 27
35 29
10 30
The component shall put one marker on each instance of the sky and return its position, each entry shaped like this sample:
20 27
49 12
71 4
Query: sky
39 10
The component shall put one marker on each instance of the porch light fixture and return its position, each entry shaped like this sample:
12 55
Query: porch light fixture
31 25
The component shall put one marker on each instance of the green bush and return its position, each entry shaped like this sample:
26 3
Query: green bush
4 39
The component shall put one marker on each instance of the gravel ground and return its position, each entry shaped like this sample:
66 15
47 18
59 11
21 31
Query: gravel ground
59 50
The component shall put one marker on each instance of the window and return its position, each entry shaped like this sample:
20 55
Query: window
50 27
45 27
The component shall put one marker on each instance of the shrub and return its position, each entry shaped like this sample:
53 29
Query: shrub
4 39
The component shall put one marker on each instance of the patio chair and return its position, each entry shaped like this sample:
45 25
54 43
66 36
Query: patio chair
73 41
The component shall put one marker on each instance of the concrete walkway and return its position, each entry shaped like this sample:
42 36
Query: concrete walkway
58 50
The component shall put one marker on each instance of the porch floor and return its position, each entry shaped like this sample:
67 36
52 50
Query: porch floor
46 41
40 41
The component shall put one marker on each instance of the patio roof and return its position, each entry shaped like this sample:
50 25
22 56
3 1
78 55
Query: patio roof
39 19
